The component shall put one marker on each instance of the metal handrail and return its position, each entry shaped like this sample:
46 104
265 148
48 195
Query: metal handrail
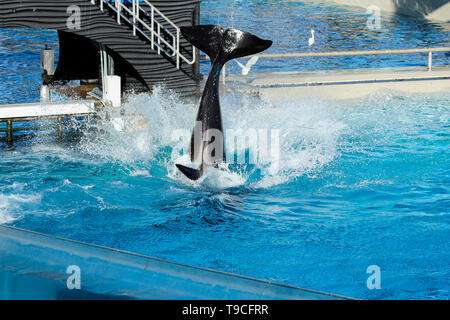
136 22
352 53
430 52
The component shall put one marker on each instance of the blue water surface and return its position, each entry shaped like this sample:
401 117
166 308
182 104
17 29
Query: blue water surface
359 183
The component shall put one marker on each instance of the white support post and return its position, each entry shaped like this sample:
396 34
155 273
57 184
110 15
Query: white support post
178 48
113 92
224 74
134 17
153 27
159 38
138 9
48 61
45 94
104 68
113 96
174 45
118 7
48 65
430 60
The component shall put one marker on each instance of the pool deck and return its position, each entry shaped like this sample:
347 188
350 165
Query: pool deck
340 84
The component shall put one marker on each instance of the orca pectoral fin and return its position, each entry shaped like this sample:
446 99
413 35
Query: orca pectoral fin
193 174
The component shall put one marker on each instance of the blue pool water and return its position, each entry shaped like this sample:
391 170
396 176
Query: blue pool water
360 183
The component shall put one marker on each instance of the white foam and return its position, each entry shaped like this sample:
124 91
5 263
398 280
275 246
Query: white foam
142 173
221 178
309 137
11 205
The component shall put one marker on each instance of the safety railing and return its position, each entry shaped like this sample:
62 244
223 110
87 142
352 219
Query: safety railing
156 32
430 52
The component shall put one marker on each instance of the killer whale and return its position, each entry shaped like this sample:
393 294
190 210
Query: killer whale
207 146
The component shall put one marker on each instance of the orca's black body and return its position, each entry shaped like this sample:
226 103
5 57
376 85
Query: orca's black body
221 46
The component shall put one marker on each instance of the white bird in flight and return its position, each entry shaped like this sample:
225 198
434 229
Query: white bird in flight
311 40
248 66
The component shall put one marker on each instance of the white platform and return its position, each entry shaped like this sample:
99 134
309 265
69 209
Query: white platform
29 111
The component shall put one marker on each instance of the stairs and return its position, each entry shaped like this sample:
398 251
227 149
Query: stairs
146 51
162 34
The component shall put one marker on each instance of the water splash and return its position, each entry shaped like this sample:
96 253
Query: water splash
13 201
158 131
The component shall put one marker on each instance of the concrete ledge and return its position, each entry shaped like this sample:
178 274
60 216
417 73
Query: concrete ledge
430 9
302 79
343 84
339 92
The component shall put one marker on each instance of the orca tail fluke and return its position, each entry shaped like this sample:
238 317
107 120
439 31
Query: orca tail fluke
193 174
206 37
224 44
238 44
221 46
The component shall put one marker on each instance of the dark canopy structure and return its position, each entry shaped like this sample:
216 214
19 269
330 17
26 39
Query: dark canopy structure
139 66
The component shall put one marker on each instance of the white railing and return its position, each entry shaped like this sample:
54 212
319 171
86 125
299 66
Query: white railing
291 55
153 32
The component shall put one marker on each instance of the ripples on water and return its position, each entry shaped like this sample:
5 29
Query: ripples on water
360 183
